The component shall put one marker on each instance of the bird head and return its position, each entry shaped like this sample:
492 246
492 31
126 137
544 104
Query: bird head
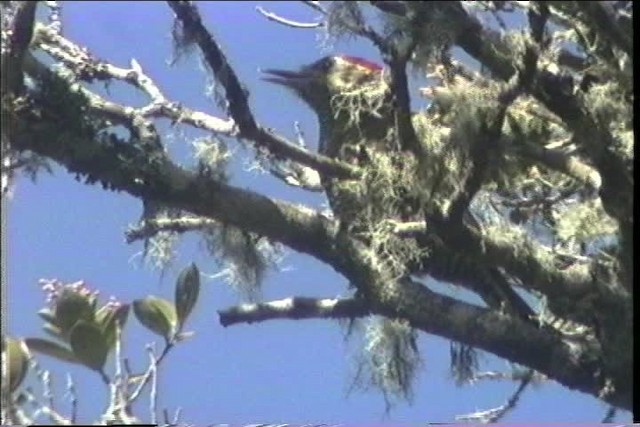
319 82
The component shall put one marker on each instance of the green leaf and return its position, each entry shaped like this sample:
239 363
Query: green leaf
72 307
17 361
50 348
52 330
187 291
158 315
89 345
48 316
50 325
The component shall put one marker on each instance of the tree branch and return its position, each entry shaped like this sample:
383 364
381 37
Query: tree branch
504 336
486 46
560 161
294 308
88 68
121 166
20 36
150 227
601 18
452 265
496 414
486 148
237 98
406 133
509 248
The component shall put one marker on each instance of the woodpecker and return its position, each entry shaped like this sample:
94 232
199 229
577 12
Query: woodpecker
351 98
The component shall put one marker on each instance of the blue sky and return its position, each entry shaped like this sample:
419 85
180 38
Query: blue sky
278 371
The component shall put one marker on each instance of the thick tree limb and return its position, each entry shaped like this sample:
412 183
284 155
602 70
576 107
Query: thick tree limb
406 228
509 248
454 266
124 167
237 96
504 336
20 36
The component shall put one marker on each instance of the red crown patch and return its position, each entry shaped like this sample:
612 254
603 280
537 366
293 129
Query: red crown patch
371 66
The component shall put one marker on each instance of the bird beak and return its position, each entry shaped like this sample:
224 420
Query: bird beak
291 79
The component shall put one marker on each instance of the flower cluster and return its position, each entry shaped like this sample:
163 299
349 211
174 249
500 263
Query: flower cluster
53 288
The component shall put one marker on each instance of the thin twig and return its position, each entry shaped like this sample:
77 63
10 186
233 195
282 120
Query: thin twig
153 395
288 22
150 371
73 397
495 414
87 67
513 401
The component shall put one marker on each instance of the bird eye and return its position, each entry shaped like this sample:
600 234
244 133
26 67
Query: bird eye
325 64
